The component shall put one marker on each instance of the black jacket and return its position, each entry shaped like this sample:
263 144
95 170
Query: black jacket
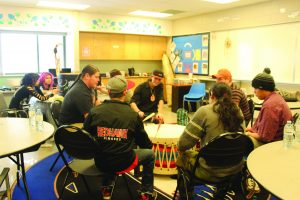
117 128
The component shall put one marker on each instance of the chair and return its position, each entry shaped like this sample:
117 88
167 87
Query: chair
4 177
251 109
55 112
196 94
13 113
82 147
295 118
3 104
227 149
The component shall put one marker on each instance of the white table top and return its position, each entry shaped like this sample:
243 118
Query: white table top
17 135
277 169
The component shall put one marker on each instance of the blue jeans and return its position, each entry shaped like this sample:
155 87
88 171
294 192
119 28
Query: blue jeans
146 158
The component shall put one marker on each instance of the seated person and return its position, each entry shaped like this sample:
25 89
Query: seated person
130 84
274 113
238 96
148 97
81 96
220 116
26 91
46 82
117 127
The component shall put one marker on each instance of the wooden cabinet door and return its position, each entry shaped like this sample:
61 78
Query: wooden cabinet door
86 46
146 47
102 45
117 47
159 47
132 47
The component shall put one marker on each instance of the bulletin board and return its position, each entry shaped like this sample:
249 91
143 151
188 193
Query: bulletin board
191 54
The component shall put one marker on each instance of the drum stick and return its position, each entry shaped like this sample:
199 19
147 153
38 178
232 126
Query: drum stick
158 127
148 117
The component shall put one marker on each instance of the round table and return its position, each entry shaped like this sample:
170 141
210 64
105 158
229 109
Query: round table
165 146
277 169
17 136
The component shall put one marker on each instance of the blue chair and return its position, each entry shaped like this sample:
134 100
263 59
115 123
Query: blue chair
196 94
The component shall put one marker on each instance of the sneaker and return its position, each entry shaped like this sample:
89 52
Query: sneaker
147 195
106 192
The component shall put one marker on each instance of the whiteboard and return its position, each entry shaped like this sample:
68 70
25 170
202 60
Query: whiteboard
246 52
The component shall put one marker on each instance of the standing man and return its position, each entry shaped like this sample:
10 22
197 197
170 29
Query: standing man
117 128
81 97
238 96
274 113
148 97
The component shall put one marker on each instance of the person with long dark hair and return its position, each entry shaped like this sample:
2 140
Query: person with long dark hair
220 116
81 96
27 90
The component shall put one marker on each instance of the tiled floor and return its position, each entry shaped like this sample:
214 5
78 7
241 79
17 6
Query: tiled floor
163 182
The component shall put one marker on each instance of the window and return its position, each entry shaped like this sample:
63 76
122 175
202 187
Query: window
22 52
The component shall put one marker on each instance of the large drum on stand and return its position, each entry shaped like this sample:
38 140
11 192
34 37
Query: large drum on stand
165 146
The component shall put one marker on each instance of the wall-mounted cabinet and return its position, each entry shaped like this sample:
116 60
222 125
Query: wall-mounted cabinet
106 46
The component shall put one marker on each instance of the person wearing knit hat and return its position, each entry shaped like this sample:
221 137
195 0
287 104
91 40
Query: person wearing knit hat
148 97
117 128
264 81
274 113
238 96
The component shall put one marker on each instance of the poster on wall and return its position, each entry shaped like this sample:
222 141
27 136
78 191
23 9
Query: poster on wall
191 54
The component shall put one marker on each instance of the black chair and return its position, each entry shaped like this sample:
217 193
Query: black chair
4 177
251 109
82 147
14 113
228 149
55 112
295 118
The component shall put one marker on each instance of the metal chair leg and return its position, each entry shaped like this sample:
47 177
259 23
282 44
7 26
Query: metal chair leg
54 163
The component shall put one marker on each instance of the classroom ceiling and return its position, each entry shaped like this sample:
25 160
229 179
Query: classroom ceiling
180 8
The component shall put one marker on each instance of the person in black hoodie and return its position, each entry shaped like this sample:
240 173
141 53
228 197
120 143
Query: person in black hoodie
117 128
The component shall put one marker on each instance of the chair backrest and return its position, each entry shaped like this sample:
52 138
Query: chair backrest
55 111
198 88
251 109
3 104
76 142
227 149
295 118
14 113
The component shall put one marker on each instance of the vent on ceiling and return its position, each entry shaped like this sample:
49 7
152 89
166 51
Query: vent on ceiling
174 12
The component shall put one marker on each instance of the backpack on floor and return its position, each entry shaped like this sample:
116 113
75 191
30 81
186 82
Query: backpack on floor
182 116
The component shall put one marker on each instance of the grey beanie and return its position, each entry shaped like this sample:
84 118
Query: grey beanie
263 81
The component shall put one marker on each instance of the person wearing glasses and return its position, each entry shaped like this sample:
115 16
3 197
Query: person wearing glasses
148 97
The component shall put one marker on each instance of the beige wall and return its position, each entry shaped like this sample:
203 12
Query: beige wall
261 14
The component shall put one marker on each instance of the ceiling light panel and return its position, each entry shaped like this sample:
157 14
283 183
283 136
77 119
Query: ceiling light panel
71 6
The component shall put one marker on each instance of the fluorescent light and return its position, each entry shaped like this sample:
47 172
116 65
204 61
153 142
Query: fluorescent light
150 14
221 1
53 4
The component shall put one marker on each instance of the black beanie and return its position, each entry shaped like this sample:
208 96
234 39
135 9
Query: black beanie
263 81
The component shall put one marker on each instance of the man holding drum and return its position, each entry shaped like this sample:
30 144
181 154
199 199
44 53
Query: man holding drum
148 97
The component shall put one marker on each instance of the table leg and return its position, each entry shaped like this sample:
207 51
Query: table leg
24 176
